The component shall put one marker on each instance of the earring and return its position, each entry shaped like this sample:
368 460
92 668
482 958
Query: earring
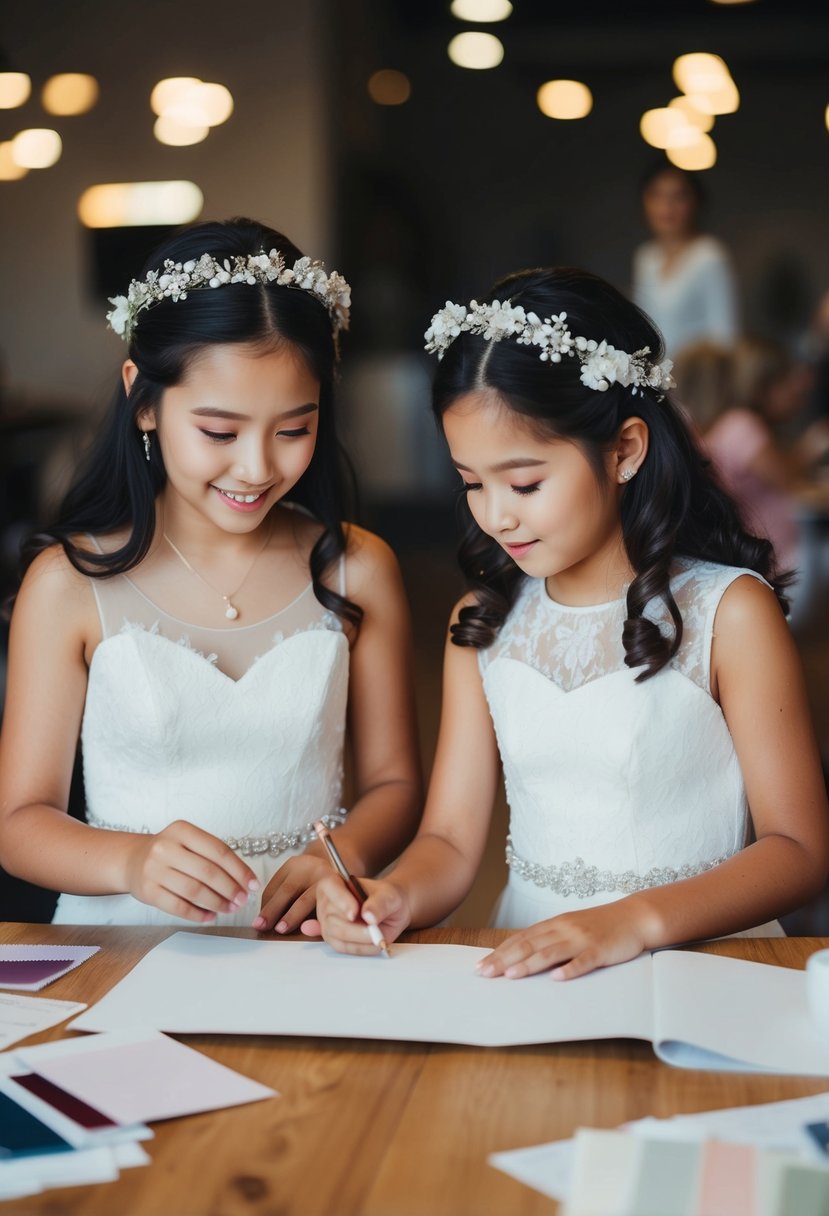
626 473
147 444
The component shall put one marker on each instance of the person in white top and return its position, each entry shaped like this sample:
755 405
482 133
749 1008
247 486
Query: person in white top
682 278
200 614
622 651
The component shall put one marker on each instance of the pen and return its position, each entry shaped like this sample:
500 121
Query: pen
354 885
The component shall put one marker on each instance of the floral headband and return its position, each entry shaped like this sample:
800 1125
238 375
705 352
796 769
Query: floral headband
601 364
176 279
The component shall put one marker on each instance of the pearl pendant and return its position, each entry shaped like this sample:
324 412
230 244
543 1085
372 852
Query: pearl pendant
230 612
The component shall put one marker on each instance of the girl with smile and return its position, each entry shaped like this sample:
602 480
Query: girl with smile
201 616
622 654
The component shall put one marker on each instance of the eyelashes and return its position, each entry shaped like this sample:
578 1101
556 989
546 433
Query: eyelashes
227 436
523 491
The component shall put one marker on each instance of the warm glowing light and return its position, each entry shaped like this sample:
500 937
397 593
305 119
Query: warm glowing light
476 50
187 108
564 99
700 72
126 204
389 87
703 122
37 148
701 154
722 100
169 130
70 93
10 171
826 116
481 11
660 128
15 88
732 1
170 91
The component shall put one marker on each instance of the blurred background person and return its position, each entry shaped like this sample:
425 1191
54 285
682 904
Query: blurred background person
682 277
769 391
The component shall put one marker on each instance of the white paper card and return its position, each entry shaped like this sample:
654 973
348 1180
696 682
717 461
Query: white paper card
21 1016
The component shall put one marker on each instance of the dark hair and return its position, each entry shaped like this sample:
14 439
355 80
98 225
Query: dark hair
118 488
672 507
659 168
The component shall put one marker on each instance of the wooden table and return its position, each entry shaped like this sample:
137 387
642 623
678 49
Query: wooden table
384 1129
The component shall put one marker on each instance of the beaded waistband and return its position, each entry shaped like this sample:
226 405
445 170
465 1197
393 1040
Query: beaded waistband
273 843
578 878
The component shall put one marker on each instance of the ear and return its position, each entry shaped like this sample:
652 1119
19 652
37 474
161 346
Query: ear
630 449
128 373
145 421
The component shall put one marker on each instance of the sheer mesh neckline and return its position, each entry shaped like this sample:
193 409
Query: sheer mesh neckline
576 645
217 628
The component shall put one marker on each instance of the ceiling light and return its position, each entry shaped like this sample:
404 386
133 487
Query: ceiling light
476 50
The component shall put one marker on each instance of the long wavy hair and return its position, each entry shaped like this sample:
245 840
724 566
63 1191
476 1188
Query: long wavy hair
117 488
673 507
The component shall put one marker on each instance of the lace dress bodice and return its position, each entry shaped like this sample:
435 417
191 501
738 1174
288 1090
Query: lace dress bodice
613 786
238 729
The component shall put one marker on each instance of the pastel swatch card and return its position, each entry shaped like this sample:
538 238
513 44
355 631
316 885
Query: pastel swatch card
140 1075
619 1174
33 967
21 1015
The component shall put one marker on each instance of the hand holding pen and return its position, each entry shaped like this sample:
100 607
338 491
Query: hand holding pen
353 884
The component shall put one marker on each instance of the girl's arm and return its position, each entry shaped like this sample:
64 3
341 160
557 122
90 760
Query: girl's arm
437 870
382 735
183 870
758 681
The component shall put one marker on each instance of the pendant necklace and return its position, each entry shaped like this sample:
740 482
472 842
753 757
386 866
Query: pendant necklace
231 611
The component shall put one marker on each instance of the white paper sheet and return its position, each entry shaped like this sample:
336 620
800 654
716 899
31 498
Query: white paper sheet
21 1016
730 1014
192 983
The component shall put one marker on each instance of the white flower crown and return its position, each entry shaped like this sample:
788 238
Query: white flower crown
176 279
601 364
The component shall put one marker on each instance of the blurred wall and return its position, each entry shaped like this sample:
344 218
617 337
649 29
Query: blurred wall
270 160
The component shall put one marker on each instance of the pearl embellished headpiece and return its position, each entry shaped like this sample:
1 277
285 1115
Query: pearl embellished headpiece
176 279
601 364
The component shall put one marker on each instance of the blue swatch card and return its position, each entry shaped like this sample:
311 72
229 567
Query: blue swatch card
22 1135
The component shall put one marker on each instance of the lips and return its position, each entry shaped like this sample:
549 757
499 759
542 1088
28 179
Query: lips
520 550
240 502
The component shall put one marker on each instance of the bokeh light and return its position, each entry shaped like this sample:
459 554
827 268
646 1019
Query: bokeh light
126 204
70 93
476 50
37 148
15 88
482 12
564 99
389 87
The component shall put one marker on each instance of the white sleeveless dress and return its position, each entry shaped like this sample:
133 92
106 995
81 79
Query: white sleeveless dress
239 730
613 786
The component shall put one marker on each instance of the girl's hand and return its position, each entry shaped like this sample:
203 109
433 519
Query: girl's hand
291 894
571 944
188 872
339 921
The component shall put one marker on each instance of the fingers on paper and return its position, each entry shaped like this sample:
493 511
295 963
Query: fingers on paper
540 949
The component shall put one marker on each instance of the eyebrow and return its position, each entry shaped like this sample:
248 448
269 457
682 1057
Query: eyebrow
209 411
520 462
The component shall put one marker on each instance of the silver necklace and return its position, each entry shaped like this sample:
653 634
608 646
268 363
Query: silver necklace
231 611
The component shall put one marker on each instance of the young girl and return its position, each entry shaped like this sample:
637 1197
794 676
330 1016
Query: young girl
201 616
623 645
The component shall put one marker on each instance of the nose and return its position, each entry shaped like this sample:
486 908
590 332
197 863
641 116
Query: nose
499 516
254 463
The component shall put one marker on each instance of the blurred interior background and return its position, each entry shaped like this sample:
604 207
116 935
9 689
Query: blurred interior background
410 145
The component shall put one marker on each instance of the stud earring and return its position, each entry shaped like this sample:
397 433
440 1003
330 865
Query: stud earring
147 444
626 474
